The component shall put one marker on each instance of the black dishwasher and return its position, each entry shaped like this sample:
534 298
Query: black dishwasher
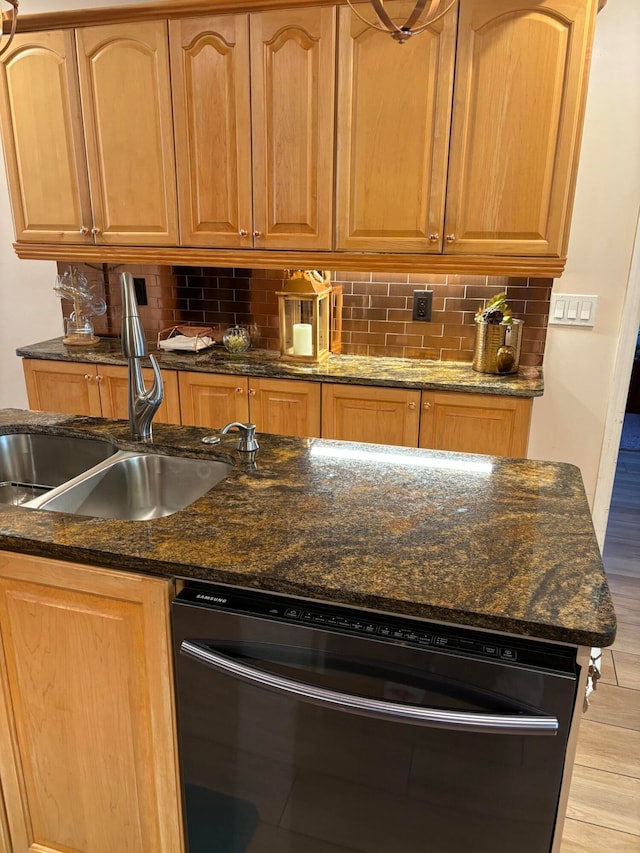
309 728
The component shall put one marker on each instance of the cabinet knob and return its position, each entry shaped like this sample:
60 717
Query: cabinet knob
411 405
96 231
426 405
434 237
257 233
252 391
88 377
450 238
239 391
84 230
99 378
243 232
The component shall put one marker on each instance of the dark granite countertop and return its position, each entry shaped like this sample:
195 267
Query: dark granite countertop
344 369
494 543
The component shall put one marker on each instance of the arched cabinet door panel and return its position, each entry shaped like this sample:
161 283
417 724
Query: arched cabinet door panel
292 104
519 95
43 139
212 114
129 132
394 113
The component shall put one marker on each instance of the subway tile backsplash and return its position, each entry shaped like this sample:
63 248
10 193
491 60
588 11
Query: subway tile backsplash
377 307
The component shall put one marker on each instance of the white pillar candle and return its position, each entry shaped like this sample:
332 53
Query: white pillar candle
302 339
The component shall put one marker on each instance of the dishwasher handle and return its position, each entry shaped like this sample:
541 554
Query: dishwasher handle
437 718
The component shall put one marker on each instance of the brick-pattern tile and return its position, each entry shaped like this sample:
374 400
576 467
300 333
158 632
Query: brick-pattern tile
376 316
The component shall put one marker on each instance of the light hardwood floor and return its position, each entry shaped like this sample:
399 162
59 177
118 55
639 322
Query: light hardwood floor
603 815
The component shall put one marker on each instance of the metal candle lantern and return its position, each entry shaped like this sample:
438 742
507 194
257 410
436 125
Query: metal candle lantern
304 307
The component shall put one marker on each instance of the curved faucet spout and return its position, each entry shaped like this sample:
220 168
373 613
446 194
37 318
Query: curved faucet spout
143 402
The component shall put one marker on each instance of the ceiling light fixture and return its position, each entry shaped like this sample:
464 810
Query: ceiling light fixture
9 21
424 14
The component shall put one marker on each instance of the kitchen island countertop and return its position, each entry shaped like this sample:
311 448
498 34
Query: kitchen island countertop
502 544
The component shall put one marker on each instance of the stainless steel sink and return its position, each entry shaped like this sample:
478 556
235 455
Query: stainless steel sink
32 464
137 487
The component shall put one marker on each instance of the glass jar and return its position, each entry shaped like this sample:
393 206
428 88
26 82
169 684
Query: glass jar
236 339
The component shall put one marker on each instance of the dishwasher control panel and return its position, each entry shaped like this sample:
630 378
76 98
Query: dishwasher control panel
408 635
382 627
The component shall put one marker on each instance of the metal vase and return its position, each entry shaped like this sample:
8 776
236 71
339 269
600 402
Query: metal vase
497 347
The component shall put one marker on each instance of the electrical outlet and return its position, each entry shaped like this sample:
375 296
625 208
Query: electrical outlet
422 300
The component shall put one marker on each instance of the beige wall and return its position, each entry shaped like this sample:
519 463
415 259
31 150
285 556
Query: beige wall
580 365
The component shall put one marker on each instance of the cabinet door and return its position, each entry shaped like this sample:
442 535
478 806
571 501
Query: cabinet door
5 838
113 383
43 141
475 423
58 386
520 87
213 400
212 114
88 752
292 103
126 106
376 415
394 111
285 407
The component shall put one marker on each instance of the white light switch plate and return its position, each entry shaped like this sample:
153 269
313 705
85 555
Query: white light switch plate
573 309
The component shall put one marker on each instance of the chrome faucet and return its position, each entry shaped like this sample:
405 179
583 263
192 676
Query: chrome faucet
143 403
247 442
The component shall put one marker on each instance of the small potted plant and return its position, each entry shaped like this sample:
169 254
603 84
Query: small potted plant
498 337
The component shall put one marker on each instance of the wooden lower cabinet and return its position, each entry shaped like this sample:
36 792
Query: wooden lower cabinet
371 414
441 420
87 745
93 390
113 383
213 399
60 386
475 423
285 407
277 406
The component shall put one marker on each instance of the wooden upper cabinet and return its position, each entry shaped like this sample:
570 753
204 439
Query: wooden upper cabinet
462 142
517 119
292 105
394 113
43 142
212 114
126 102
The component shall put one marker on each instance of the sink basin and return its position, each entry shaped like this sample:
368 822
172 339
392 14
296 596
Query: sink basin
138 487
32 464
